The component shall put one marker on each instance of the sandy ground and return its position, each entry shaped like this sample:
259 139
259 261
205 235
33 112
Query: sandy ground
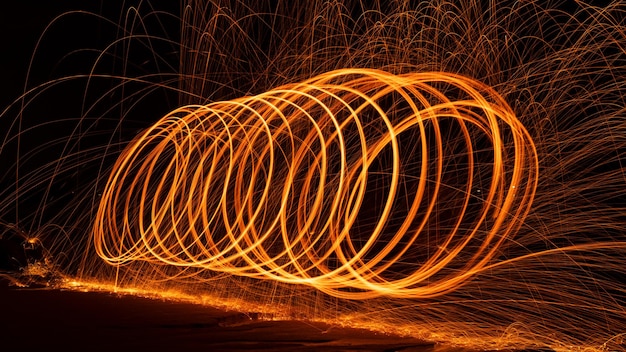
57 320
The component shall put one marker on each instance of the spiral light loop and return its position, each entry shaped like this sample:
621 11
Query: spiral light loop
357 182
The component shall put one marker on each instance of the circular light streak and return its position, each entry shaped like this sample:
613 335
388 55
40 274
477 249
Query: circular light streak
358 182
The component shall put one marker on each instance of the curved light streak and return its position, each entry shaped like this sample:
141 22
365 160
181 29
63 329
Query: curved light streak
277 185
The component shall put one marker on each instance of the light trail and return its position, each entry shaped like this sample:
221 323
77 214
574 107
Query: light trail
453 171
272 186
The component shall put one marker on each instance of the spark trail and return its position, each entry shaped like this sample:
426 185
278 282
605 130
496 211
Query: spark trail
272 186
453 171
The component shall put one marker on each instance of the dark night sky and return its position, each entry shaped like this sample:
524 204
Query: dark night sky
23 22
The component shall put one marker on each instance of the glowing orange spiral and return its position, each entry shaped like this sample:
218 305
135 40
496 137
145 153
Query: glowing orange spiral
357 182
